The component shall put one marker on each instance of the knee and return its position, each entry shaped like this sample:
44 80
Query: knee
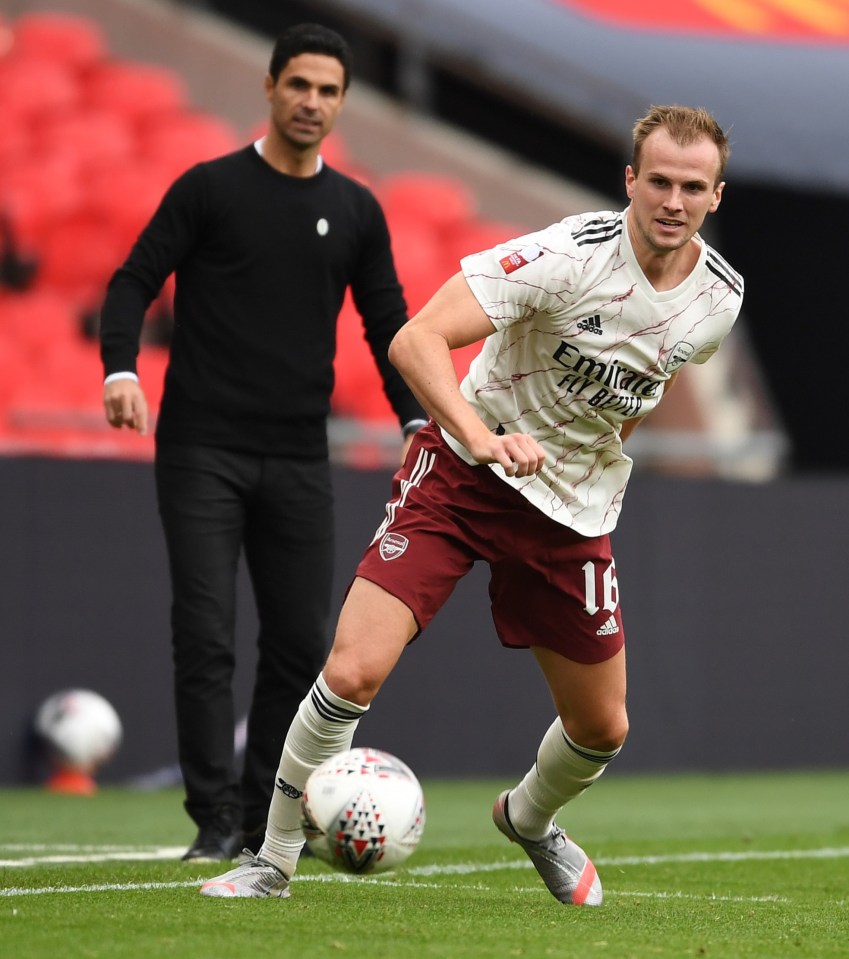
349 681
613 737
604 733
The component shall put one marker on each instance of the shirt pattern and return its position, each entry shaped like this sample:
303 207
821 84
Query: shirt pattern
583 343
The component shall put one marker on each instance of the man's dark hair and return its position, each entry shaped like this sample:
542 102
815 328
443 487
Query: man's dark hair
310 38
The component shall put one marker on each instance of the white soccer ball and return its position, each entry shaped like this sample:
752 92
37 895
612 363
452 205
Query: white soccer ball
363 811
80 727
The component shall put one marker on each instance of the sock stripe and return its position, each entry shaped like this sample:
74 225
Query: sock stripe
330 711
594 757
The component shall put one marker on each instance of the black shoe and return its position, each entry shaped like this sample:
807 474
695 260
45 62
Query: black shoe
215 841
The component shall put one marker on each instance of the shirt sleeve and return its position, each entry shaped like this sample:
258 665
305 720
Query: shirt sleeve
160 247
515 280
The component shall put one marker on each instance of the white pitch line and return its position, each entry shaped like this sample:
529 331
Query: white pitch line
750 856
102 887
464 868
67 847
116 854
458 869
77 854
688 896
365 880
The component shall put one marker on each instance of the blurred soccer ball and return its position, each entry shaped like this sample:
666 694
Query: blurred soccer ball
81 729
363 811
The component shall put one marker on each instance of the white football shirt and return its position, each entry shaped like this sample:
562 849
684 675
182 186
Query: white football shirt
584 342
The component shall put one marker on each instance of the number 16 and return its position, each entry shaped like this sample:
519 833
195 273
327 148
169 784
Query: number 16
610 588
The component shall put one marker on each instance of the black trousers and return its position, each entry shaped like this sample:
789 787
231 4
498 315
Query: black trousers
214 504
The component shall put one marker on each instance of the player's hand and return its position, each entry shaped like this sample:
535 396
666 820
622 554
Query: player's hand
518 453
125 405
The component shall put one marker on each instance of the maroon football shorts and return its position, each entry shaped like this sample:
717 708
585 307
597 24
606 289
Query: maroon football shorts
549 585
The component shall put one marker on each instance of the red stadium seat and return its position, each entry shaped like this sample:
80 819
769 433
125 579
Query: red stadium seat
73 369
84 136
419 258
14 144
13 360
438 200
34 193
476 235
31 86
32 322
78 257
59 37
57 407
180 140
135 90
358 393
9 368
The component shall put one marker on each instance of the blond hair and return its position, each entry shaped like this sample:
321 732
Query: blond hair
685 125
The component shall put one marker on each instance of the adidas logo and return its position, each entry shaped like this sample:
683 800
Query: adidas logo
609 628
592 324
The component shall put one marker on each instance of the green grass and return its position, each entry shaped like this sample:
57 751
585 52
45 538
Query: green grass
721 867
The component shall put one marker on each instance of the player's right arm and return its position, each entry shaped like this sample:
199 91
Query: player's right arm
421 351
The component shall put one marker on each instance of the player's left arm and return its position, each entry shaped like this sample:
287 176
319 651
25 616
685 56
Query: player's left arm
629 426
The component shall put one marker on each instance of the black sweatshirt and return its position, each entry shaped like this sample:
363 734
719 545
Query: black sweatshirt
262 263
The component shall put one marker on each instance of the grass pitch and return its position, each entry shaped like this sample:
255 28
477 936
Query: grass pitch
722 867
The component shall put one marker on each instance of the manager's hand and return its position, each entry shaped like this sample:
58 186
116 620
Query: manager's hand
125 405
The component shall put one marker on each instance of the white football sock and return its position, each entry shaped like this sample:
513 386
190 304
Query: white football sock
323 726
563 770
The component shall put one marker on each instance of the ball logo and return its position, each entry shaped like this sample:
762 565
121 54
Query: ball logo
392 546
322 227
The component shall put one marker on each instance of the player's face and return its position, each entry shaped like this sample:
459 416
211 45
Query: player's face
672 194
306 99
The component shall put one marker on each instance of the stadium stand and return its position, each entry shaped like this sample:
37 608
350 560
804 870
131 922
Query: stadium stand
75 42
83 168
136 91
97 134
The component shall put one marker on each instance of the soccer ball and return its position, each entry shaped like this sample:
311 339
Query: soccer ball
81 729
363 811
